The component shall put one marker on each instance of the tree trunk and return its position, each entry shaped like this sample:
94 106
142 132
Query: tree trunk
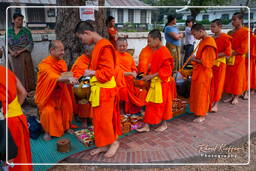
194 12
66 21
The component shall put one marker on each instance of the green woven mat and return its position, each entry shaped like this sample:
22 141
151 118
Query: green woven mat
45 152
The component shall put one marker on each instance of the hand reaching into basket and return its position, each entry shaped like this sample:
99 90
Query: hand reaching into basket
149 77
89 72
68 80
134 74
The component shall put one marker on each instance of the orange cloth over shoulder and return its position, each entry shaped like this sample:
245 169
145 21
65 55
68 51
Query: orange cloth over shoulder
18 124
145 59
253 62
236 74
78 69
202 76
53 98
162 63
106 117
223 42
134 97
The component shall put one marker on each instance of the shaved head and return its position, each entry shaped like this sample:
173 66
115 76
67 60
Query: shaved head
56 49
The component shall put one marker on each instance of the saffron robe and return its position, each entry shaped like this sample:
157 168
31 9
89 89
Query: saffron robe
162 63
53 98
253 62
202 76
17 124
145 59
133 97
78 69
223 43
106 116
235 81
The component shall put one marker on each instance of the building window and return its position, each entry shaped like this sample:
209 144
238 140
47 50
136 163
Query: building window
130 15
120 13
225 16
246 16
143 16
36 14
205 17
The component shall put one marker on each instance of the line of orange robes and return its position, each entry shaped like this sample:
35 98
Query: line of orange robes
235 82
17 124
223 43
202 76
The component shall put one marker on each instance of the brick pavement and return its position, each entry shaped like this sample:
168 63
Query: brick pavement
180 142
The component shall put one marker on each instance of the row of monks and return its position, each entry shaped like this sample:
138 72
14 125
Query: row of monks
220 65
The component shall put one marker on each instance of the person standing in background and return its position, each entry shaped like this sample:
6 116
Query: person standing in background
20 46
173 40
112 31
189 40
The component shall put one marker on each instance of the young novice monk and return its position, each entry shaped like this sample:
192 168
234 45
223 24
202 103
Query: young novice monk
223 42
103 70
236 71
131 96
159 97
202 72
81 64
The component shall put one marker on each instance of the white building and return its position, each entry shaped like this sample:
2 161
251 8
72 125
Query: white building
127 13
223 13
46 17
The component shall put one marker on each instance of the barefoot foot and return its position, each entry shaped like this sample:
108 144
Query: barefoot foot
235 101
245 96
98 150
47 137
214 108
162 127
199 119
70 131
112 150
145 128
228 99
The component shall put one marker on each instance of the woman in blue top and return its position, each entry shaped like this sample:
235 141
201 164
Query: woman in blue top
173 40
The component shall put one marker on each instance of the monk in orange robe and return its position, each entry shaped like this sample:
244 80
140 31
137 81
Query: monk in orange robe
17 122
253 64
202 72
133 97
145 59
81 64
112 31
159 97
103 70
223 42
52 95
236 70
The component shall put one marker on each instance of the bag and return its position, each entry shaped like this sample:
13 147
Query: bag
12 147
35 128
183 85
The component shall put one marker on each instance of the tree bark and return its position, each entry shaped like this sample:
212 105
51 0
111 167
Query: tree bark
66 21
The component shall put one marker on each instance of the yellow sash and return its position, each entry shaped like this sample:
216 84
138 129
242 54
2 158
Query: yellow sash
155 91
219 60
14 108
231 60
95 89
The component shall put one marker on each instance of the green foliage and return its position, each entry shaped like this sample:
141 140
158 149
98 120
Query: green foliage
204 22
225 21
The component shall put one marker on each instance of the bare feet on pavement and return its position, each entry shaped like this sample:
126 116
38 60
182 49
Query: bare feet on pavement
47 137
199 119
98 150
112 150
